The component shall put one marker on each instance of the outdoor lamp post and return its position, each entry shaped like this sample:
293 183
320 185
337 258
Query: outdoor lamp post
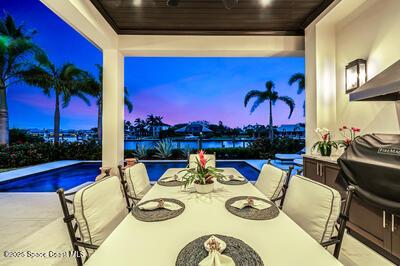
356 74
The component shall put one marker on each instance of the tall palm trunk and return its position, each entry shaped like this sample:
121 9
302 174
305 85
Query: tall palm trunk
57 120
3 117
100 121
271 130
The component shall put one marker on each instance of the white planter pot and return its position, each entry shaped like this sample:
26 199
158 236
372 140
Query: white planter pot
204 189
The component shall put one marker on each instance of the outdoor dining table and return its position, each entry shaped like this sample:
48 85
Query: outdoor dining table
279 241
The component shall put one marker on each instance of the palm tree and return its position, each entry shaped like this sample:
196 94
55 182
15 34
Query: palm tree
139 125
271 96
94 87
16 50
65 81
152 121
301 86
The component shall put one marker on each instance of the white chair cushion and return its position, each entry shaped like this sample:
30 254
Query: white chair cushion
138 180
313 206
270 181
98 209
211 160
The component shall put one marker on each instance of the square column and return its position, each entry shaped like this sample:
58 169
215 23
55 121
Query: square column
113 109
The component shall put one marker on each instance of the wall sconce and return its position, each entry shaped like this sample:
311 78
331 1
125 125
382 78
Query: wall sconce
356 74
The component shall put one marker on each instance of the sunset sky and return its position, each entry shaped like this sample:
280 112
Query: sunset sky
179 89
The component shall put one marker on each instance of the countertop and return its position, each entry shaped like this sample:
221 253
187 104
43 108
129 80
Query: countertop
329 159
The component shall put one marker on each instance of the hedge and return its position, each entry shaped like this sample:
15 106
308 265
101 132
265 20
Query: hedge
17 155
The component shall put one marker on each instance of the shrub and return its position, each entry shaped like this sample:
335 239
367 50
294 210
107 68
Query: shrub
20 136
267 149
18 155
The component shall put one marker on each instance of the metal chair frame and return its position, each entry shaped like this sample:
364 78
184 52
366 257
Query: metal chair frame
69 218
284 187
343 218
130 201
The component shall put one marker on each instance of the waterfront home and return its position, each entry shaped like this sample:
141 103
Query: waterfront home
194 128
292 131
334 211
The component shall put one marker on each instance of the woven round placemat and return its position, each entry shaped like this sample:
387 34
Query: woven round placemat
231 182
252 213
158 214
174 183
241 253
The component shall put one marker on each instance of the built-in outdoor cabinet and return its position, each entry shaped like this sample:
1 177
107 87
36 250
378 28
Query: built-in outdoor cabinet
375 227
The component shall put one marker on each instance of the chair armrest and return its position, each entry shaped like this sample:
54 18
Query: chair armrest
330 242
86 245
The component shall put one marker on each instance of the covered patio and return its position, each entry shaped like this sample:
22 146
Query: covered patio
329 34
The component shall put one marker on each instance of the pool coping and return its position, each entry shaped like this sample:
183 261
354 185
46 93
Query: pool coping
40 168
35 169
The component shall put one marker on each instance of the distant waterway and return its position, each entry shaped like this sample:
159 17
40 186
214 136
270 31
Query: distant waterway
192 143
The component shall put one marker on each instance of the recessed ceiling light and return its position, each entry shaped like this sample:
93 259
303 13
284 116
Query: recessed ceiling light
265 3
136 2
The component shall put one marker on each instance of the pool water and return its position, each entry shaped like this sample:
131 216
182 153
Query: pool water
75 175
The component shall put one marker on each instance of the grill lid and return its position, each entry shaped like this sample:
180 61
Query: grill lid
372 164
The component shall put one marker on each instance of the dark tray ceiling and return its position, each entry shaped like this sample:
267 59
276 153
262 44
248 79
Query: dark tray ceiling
209 17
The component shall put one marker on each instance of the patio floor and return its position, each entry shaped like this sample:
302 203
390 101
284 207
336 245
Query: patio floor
32 221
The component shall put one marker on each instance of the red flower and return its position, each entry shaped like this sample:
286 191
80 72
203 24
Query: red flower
355 129
202 159
325 137
347 141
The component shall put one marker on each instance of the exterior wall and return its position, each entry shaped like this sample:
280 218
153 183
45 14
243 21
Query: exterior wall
351 29
373 33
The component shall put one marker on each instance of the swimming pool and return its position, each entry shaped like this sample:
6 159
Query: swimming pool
77 174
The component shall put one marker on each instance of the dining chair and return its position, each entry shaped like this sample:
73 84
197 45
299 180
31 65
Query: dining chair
316 208
211 160
97 209
271 181
135 182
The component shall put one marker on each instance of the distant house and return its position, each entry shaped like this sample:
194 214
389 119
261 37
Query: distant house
292 131
155 130
194 128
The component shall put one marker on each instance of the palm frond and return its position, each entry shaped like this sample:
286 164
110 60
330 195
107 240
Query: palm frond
251 94
127 102
289 102
256 103
300 79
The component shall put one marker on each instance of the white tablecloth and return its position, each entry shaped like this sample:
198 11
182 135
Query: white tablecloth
279 241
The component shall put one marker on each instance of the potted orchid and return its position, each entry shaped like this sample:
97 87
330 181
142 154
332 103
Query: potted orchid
325 145
202 176
349 135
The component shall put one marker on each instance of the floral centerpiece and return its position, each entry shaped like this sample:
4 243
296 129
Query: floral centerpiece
325 145
349 135
202 176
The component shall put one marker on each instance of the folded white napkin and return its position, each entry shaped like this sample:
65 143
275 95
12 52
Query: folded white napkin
215 247
235 178
257 204
161 204
172 178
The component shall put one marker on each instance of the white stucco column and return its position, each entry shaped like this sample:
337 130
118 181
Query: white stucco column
113 108
311 86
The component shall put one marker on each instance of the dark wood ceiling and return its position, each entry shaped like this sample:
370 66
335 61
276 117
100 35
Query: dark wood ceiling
210 17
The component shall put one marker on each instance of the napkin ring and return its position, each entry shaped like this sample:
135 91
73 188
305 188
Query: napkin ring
250 201
214 245
160 203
